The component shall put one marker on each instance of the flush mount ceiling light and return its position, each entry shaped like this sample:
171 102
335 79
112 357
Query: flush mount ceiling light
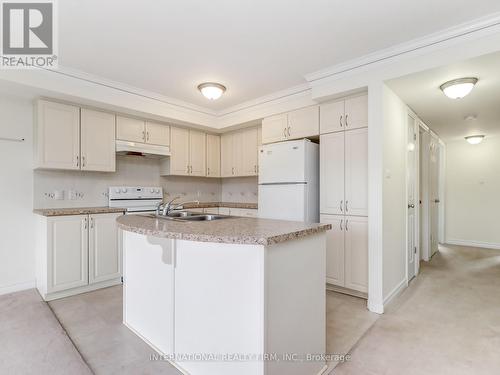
458 88
211 90
474 139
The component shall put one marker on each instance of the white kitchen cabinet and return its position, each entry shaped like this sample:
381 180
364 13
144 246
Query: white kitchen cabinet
197 153
213 156
239 153
157 134
249 152
57 136
67 255
356 172
104 249
259 136
345 114
97 141
76 254
243 212
211 210
332 173
334 249
274 128
356 253
130 129
226 153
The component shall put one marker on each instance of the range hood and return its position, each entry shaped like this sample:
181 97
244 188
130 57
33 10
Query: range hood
141 149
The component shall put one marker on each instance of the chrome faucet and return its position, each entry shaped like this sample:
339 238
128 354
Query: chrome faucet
170 206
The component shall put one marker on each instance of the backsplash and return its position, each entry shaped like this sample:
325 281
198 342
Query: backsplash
80 189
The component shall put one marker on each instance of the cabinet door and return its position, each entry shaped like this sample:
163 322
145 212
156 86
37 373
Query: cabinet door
97 141
356 253
331 117
332 173
197 153
244 212
249 152
213 155
238 143
356 112
130 129
226 153
57 139
157 134
179 147
303 123
67 263
105 258
274 128
356 172
334 249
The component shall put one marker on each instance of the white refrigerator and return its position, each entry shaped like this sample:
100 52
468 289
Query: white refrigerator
289 181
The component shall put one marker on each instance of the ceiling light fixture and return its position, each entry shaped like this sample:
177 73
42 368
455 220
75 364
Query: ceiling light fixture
474 139
212 90
458 88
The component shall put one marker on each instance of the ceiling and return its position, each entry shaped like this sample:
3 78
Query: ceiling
445 116
254 47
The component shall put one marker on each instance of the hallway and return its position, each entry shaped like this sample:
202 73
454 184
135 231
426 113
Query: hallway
446 322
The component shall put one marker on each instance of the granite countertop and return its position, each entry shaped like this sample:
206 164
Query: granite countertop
77 211
252 206
237 230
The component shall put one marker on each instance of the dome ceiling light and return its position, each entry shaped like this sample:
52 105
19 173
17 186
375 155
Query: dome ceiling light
212 90
458 88
474 139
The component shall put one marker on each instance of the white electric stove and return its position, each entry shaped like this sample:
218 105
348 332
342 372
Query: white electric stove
135 199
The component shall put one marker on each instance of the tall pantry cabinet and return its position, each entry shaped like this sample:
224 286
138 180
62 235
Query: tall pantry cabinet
344 191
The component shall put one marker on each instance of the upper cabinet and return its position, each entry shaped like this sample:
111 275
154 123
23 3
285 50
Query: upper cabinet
134 130
345 114
239 153
188 148
301 123
213 155
64 139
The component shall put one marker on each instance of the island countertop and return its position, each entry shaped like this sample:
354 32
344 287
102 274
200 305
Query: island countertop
239 230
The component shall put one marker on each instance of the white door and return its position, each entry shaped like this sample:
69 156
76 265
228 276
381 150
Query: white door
105 260
334 249
197 153
179 147
282 162
356 112
434 194
331 117
411 170
356 253
303 123
226 154
332 173
249 152
67 263
130 129
98 150
356 172
157 134
274 128
283 202
57 136
213 155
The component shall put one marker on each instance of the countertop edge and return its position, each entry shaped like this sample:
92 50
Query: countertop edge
70 211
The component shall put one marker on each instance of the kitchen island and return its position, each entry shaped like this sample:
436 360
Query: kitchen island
230 296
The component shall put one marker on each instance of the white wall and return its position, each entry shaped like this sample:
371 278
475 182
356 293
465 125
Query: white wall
17 257
473 193
394 192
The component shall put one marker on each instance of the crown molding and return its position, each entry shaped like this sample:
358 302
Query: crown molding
459 31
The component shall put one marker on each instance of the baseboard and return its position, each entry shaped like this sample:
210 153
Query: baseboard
395 292
350 292
375 307
484 245
84 289
6 289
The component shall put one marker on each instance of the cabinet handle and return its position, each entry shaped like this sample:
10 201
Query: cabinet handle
232 170
346 227
85 223
284 132
340 121
346 206
255 168
341 222
144 135
91 222
187 169
289 131
208 171
342 205
346 123
77 161
83 161
147 136
191 169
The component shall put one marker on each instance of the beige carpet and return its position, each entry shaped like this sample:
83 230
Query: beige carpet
446 322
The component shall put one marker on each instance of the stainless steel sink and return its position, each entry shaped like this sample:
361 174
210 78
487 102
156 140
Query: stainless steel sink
188 216
182 214
204 217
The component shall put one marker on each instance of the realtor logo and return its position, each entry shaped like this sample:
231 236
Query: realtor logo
28 34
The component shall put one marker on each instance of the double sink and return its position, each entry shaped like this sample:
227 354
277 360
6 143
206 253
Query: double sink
188 216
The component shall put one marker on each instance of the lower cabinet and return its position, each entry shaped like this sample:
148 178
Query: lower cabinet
76 254
211 210
245 212
347 252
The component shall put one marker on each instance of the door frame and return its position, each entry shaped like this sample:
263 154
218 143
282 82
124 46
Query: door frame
424 212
